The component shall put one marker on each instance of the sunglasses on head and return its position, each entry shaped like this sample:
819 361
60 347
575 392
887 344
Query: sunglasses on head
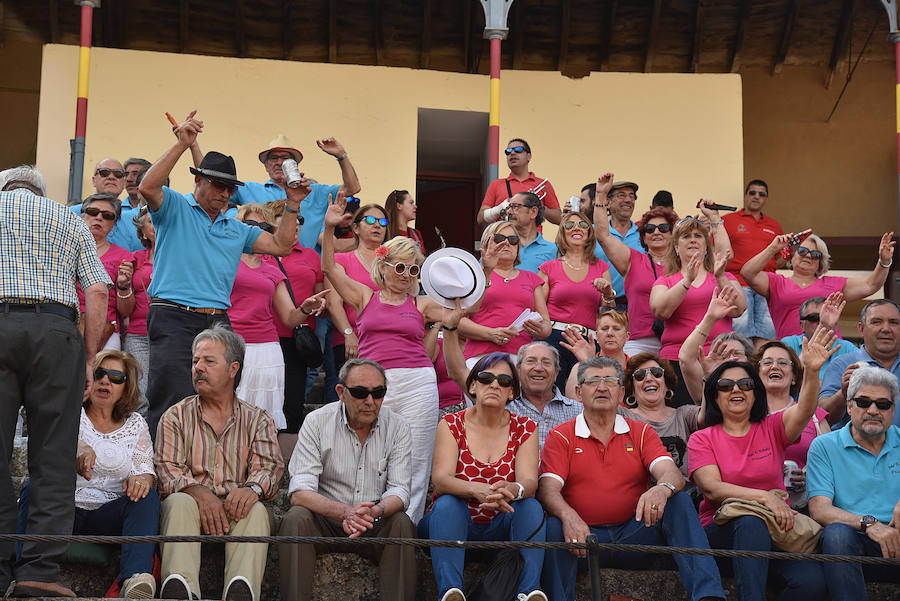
513 149
371 220
513 239
569 225
361 392
94 211
264 226
727 384
117 173
401 268
812 317
664 228
688 220
486 377
864 402
813 254
115 376
640 374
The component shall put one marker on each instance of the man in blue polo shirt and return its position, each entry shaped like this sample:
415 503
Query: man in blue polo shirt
526 213
853 478
198 249
622 196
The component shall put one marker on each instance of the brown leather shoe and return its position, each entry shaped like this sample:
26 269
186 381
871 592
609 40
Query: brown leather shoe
33 588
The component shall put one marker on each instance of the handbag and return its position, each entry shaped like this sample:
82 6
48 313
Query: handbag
658 324
305 339
500 580
802 538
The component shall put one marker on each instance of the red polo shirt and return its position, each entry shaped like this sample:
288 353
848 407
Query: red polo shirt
497 193
602 483
748 238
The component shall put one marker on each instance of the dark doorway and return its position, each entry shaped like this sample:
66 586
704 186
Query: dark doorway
449 176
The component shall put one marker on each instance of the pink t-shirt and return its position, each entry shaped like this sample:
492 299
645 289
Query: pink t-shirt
111 260
755 460
688 314
304 270
785 298
143 273
251 311
448 391
355 271
392 335
638 283
503 302
573 302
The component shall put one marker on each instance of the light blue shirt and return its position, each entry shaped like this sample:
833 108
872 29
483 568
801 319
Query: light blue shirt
831 383
837 467
844 347
559 410
631 239
196 259
257 192
124 233
539 251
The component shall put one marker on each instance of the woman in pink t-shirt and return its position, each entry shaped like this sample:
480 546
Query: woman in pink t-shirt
809 260
136 342
576 284
510 293
741 454
680 297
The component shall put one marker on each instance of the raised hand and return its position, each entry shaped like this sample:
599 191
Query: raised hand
576 344
331 146
126 271
711 214
780 242
604 183
722 303
886 249
831 309
693 268
817 350
187 131
723 258
450 317
335 215
315 304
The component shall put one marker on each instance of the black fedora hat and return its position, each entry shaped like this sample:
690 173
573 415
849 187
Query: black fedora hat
218 166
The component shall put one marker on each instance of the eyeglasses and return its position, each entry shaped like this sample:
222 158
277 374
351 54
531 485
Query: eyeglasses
401 268
266 227
513 206
640 374
812 317
516 149
361 392
94 211
278 157
370 220
219 185
513 239
608 380
813 254
759 193
864 402
569 225
117 173
780 363
486 377
727 384
115 376
664 228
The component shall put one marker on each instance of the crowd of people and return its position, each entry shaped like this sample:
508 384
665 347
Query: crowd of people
648 382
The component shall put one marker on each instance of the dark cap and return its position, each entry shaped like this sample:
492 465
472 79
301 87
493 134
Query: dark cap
218 166
617 185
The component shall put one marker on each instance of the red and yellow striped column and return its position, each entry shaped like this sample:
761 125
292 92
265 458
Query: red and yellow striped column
76 161
494 119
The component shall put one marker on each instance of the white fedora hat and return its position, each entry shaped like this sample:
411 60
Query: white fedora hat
451 273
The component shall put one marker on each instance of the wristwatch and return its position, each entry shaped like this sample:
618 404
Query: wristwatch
866 521
348 331
255 488
521 494
667 485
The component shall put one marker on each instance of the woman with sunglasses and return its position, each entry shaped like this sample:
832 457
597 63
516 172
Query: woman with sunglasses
810 260
741 455
639 270
511 292
485 471
401 209
576 284
137 342
100 212
681 296
114 487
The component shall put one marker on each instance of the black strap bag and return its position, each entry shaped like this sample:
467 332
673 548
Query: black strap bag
500 580
304 337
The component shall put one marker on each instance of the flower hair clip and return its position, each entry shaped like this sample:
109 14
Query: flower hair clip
382 252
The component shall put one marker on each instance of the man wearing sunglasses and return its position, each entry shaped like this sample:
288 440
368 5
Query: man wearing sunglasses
351 473
854 485
751 231
501 191
814 311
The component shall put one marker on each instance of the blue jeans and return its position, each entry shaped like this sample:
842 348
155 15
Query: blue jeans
119 516
325 334
755 321
449 519
566 359
799 580
679 527
845 580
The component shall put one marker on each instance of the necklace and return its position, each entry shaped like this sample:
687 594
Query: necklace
506 280
572 266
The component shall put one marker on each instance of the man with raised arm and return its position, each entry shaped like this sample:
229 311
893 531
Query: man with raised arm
501 191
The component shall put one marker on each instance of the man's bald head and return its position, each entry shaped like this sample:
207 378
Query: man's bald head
109 177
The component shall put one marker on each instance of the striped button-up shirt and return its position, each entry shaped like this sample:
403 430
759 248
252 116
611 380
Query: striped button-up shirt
44 250
559 410
330 460
189 452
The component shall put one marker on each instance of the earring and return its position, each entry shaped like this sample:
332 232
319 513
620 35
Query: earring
669 394
630 402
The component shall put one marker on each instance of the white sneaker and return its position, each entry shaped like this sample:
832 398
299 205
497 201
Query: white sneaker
238 589
139 586
453 594
532 596
175 587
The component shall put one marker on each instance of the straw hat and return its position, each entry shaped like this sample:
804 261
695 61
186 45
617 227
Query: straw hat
280 142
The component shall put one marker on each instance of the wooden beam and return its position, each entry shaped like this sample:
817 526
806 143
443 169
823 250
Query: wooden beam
123 9
184 15
53 18
839 50
467 34
787 34
518 32
425 51
652 35
379 32
2 22
565 19
240 39
735 63
332 31
698 38
609 22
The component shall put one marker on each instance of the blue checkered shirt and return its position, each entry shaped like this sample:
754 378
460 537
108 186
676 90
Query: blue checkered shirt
44 250
559 410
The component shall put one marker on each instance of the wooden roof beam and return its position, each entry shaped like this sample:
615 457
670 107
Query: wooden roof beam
425 53
53 20
240 38
467 35
787 33
286 29
565 21
841 40
698 37
332 31
735 63
609 22
518 29
652 35
184 13
379 32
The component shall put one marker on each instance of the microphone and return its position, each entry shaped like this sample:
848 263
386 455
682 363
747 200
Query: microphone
717 207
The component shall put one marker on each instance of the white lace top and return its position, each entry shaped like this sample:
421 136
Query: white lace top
127 451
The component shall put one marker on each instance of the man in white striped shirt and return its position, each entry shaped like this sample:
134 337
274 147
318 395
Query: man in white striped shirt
351 472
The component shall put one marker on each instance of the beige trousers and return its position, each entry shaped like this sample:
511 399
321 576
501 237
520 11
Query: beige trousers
180 515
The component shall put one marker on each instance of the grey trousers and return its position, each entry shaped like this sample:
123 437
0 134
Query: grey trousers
139 348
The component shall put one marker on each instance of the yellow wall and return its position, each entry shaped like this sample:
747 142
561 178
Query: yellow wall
678 132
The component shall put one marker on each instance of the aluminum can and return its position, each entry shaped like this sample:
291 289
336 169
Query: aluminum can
291 173
574 204
789 467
